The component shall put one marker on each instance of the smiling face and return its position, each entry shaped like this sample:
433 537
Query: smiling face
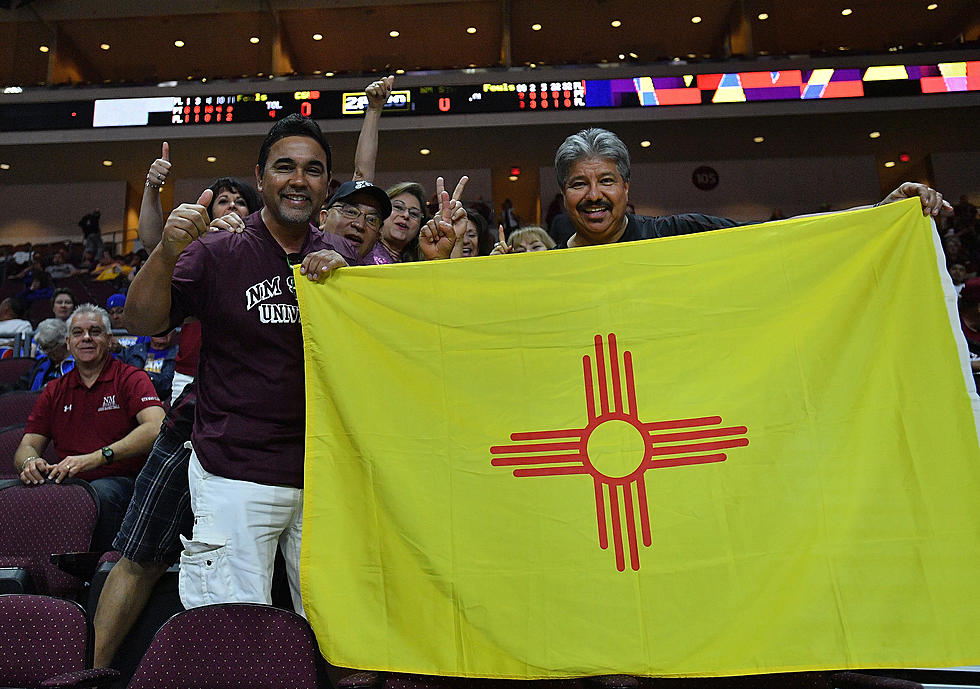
471 239
294 183
88 340
228 201
596 197
402 226
362 229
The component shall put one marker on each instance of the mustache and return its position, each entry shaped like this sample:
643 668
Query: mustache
594 204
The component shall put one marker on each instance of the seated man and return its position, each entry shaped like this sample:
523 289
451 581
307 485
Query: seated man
12 321
157 357
102 416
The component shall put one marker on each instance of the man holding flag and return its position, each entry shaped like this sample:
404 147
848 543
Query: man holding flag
246 469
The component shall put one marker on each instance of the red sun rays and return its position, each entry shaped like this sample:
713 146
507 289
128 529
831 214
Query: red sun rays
659 444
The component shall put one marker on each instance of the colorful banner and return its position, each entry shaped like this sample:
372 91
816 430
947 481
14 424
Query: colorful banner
752 450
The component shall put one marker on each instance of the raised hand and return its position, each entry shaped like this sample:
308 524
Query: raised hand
186 222
438 236
378 92
159 170
501 247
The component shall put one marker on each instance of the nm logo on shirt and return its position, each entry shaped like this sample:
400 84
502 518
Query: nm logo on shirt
108 403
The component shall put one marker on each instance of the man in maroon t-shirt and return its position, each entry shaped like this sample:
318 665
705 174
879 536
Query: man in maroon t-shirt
102 417
246 468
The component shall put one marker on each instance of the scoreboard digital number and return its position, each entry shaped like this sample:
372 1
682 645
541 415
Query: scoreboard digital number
874 81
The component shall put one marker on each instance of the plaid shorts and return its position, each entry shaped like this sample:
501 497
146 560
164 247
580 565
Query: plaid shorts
161 506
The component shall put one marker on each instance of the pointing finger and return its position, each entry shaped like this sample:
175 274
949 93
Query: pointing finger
165 152
500 233
440 187
458 192
445 207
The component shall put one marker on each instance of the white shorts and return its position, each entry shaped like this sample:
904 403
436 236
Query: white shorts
180 382
237 526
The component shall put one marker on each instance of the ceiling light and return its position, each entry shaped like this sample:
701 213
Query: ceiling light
904 157
470 29
399 71
763 16
622 56
759 139
104 46
318 37
318 71
4 166
253 39
535 27
634 56
179 43
211 159
615 23
44 48
695 20
107 163
328 74
931 6
874 135
645 143
513 178
393 33
691 56
424 151
890 163
842 47
846 11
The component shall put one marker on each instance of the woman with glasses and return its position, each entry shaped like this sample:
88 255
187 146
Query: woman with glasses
399 240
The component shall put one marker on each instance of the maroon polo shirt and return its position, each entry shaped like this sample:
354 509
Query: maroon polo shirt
251 413
79 420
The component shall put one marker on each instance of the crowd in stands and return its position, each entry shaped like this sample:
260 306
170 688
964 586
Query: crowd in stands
71 302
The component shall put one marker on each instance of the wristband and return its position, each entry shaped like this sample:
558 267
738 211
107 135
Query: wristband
154 187
23 466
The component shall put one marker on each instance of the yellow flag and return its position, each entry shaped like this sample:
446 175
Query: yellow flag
746 451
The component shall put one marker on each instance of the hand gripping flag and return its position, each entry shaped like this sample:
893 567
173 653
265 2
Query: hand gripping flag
746 451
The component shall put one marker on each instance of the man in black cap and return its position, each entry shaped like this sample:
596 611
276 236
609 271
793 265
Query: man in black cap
356 212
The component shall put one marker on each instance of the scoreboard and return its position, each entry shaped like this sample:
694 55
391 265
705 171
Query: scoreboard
705 89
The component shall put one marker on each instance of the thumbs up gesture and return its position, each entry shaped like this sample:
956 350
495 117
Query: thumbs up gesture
186 222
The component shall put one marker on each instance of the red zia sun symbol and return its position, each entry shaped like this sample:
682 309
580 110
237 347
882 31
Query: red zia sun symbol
616 449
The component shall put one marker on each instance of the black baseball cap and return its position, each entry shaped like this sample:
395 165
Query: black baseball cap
362 186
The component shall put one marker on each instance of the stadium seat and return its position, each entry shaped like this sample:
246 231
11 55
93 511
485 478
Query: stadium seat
41 637
39 521
16 406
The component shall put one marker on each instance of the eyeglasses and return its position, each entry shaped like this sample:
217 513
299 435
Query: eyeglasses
400 207
372 219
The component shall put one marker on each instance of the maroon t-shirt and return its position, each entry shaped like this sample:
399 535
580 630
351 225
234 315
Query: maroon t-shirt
188 348
80 420
251 410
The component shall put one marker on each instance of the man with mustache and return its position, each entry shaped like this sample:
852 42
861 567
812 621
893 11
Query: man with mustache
593 170
356 212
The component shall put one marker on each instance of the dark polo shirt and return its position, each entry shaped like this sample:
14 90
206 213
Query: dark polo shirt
251 412
79 420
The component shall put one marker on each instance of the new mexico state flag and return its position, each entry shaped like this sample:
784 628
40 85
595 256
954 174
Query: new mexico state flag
746 451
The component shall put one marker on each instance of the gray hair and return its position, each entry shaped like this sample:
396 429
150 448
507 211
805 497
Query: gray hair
591 143
94 310
51 332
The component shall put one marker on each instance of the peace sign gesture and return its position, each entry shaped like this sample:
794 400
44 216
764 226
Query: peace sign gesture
439 238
